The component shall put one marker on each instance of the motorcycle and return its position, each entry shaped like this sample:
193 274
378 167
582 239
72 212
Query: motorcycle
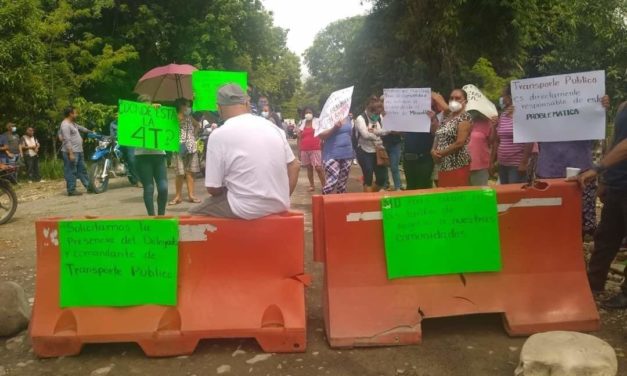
108 162
8 198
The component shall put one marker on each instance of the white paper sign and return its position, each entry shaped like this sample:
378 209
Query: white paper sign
406 110
335 109
559 108
479 102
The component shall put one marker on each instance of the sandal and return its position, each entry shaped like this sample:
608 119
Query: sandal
311 189
194 200
175 202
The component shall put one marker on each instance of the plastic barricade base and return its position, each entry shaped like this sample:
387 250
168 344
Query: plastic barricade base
229 286
541 287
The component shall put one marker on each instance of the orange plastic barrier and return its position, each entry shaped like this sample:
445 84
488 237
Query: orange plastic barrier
542 286
245 280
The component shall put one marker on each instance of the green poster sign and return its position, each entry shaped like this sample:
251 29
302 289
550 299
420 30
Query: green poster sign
441 233
205 85
118 263
144 126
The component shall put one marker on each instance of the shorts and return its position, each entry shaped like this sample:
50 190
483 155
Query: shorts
311 158
188 163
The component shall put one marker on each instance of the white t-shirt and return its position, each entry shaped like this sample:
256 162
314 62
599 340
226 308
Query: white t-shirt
249 155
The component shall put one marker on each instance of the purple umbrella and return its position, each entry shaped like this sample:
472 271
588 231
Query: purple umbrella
167 83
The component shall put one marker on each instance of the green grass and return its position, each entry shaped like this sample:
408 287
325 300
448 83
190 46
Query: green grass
51 168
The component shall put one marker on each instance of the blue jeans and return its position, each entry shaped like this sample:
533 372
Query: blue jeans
73 170
128 154
394 152
510 175
152 171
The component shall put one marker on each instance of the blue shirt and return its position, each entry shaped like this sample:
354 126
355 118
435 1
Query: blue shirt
616 176
339 144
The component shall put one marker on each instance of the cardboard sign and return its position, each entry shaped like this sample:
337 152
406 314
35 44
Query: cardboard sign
144 126
335 109
559 108
441 233
206 84
479 102
118 262
406 110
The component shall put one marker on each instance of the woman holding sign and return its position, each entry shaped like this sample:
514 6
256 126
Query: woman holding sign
366 132
150 165
450 148
186 162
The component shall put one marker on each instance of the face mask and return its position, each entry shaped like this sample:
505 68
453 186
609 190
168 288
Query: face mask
454 106
265 114
13 129
309 117
374 118
188 111
501 103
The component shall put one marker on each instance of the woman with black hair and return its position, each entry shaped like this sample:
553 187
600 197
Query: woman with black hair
186 163
450 147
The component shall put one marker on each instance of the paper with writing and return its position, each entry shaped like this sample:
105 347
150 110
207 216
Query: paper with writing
566 107
441 233
406 110
206 84
118 262
335 109
144 126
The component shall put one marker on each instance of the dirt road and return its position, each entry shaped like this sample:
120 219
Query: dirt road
470 345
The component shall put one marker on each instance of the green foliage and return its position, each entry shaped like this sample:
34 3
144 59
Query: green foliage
483 75
51 168
54 53
446 44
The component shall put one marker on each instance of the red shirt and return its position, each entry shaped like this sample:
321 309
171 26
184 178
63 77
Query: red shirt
307 140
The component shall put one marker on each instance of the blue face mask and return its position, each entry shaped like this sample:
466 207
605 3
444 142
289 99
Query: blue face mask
501 103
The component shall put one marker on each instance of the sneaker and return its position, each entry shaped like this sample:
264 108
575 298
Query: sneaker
618 301
74 193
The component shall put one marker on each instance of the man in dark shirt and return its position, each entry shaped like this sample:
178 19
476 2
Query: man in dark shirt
9 145
613 226
417 161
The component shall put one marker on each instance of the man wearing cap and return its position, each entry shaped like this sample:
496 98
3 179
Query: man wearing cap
251 170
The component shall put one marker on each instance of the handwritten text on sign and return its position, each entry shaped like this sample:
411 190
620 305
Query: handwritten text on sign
479 102
335 109
441 233
144 126
118 262
559 108
406 110
206 84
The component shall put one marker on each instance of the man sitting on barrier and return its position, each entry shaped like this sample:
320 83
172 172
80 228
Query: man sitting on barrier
251 170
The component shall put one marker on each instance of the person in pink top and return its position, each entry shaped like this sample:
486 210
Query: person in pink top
310 148
481 140
513 159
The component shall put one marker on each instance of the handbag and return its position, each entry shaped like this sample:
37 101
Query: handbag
383 159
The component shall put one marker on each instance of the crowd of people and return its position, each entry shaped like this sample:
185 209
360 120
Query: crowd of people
250 170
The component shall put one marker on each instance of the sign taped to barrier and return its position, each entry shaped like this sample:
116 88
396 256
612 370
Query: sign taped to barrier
144 126
441 233
118 262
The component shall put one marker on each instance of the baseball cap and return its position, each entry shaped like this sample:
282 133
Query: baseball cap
231 94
